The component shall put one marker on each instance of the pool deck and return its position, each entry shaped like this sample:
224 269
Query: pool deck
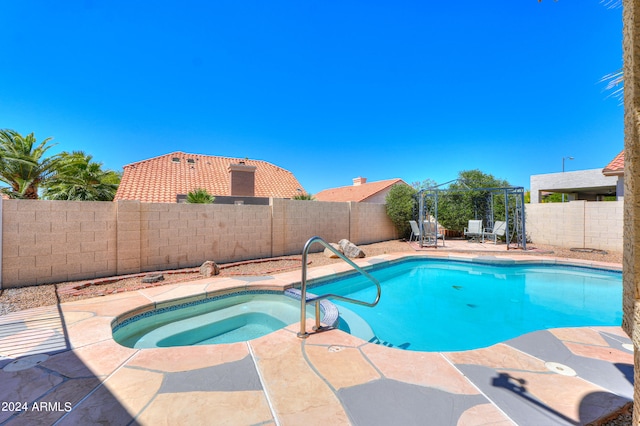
61 364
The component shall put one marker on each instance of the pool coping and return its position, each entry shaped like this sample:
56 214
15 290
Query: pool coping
364 368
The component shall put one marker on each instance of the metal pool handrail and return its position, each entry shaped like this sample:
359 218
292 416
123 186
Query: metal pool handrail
303 289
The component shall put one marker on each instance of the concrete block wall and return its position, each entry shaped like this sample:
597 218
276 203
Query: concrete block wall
580 224
177 236
605 225
300 220
369 223
128 237
278 235
57 241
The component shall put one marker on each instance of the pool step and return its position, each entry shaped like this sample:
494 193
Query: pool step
329 310
377 341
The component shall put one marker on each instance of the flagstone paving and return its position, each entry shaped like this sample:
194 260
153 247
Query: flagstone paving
62 365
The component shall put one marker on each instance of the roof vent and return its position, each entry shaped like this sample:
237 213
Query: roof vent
175 159
191 160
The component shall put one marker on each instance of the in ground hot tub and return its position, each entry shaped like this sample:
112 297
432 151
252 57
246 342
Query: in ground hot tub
223 319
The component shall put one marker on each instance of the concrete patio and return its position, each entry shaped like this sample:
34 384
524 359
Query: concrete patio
60 365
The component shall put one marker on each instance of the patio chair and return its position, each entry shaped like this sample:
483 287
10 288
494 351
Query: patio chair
415 230
430 232
499 229
474 231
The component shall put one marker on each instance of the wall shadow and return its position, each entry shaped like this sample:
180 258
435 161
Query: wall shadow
530 410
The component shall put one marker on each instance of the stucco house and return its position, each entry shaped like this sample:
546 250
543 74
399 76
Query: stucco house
361 191
616 169
589 185
170 177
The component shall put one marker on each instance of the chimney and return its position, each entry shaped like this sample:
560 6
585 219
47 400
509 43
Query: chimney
359 181
242 180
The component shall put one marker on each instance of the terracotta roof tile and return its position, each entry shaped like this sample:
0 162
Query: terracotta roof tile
356 192
616 166
161 179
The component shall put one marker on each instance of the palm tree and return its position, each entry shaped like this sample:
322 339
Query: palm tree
80 178
23 165
200 196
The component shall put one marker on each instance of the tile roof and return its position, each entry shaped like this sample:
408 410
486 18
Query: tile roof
356 192
616 166
161 179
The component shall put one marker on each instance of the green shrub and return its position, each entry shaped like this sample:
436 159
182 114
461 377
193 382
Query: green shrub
400 204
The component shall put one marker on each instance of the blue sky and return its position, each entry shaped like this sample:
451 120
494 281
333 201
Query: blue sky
328 90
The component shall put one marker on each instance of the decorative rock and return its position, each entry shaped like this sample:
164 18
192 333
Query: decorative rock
153 278
209 269
331 255
350 250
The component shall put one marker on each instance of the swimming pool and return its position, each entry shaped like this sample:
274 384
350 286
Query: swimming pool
442 305
426 305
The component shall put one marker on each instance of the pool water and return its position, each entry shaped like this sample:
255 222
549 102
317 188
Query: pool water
229 319
205 330
431 305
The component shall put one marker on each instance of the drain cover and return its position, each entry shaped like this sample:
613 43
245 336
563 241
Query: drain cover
560 368
25 363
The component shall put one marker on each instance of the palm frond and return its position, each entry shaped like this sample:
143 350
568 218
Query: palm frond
614 84
611 4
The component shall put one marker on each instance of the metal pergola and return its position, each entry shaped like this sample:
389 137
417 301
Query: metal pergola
513 204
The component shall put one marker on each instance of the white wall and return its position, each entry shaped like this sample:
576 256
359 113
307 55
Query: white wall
576 224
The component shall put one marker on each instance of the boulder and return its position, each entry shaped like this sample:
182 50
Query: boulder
331 255
209 269
350 250
152 278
